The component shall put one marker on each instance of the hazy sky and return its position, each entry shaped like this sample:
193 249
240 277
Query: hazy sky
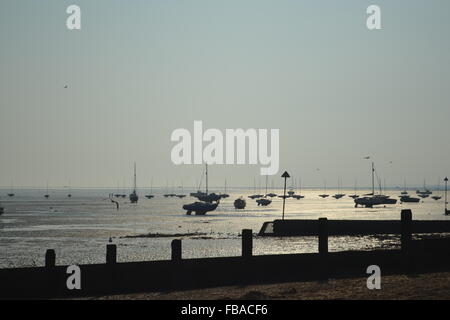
137 70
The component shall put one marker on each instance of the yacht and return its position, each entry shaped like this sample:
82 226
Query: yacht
324 195
134 196
206 201
373 199
200 208
408 199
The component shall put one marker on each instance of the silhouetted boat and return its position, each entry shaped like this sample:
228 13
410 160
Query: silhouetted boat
240 203
206 201
425 190
134 196
263 202
372 199
200 208
150 196
225 194
407 198
324 195
47 195
339 195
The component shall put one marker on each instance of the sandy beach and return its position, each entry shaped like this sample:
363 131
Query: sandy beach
396 287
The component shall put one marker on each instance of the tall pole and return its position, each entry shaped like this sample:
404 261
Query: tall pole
285 176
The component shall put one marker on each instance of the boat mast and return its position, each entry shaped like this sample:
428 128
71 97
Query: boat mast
134 185
206 178
373 179
266 183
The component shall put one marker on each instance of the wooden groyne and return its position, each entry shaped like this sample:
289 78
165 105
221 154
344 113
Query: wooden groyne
178 273
305 227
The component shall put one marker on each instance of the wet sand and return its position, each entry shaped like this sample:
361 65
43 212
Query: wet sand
415 287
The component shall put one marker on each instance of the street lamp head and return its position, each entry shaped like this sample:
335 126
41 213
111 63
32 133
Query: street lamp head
446 179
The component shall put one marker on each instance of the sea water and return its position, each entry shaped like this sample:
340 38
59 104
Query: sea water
79 228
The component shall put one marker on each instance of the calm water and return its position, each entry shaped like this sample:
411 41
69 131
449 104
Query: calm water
79 228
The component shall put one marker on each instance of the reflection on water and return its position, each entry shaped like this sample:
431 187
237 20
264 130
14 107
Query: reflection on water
79 228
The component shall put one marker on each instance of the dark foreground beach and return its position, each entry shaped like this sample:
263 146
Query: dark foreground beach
412 287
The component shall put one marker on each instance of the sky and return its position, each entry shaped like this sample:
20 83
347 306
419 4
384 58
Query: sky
137 70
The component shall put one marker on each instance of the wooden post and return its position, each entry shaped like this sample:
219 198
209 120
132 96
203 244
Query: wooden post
247 243
50 258
111 254
323 236
406 229
176 250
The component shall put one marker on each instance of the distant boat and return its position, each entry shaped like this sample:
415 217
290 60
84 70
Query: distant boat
206 201
134 196
324 195
11 193
404 192
150 195
240 203
437 197
408 199
69 195
354 196
372 199
425 190
225 194
47 195
200 208
339 195
181 195
264 201
255 195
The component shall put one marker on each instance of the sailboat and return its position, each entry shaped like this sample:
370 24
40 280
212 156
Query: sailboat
271 194
225 194
437 197
47 195
11 193
324 195
425 193
134 196
149 196
181 195
354 196
255 195
264 201
206 201
69 195
404 192
372 199
299 196
339 195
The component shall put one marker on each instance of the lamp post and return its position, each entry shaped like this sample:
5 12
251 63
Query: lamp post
445 198
285 175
